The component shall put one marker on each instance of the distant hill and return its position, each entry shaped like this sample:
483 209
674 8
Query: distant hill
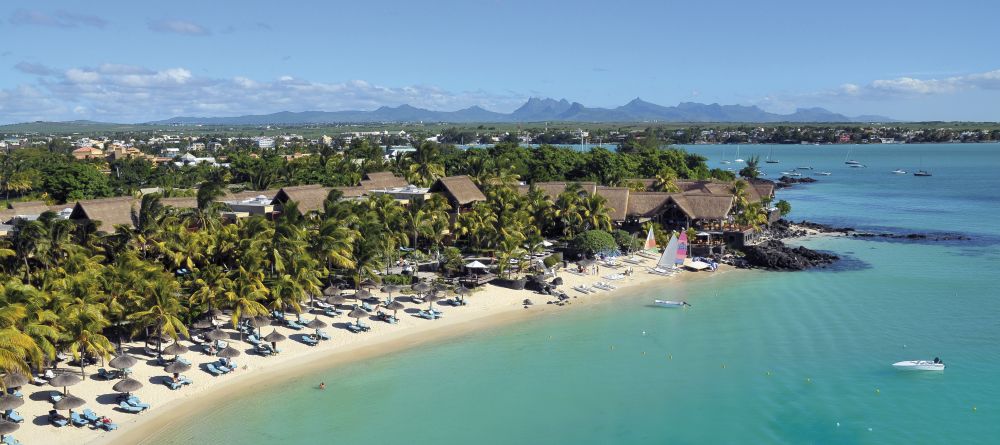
540 110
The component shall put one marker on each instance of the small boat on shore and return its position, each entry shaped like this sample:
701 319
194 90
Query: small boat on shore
670 303
899 171
920 365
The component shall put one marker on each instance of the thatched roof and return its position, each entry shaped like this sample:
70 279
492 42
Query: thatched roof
351 192
646 204
309 197
460 189
712 207
180 203
553 189
381 180
108 212
618 198
31 207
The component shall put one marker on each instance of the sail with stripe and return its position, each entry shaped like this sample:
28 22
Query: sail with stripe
667 259
682 249
650 240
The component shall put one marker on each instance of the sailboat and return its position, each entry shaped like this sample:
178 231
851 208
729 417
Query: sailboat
769 160
650 240
921 172
682 249
665 265
738 158
848 160
724 160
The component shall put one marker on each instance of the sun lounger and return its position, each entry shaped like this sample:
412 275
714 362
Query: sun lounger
13 416
107 426
614 277
253 340
294 325
368 307
129 408
105 374
55 396
197 339
77 419
224 368
309 340
57 419
134 401
172 384
581 289
213 370
322 334
427 315
354 328
10 440
90 415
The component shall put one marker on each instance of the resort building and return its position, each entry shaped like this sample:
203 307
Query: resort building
460 192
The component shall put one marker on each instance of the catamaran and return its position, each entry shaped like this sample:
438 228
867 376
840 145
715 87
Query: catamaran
920 365
665 265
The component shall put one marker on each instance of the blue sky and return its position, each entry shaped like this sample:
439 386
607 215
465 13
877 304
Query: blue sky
131 62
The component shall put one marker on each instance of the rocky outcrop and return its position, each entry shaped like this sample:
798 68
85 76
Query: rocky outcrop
788 181
775 255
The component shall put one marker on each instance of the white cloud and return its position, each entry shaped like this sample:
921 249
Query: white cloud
177 26
126 93
57 19
911 86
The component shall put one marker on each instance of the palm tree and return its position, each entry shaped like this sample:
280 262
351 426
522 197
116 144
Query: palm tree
595 213
426 167
666 181
163 311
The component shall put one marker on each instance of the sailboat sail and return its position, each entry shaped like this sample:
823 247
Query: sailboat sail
650 240
682 248
667 259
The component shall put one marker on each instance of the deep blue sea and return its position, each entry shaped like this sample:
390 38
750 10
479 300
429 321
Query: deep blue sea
759 358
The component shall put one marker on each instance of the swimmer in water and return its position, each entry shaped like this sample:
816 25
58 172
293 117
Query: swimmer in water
322 385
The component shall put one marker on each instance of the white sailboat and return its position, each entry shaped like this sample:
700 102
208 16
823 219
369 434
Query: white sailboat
724 160
769 160
665 265
848 160
738 158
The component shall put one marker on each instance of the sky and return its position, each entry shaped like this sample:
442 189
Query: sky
117 61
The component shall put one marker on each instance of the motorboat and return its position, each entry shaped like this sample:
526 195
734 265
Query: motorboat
852 162
791 173
670 303
921 173
822 173
899 171
859 165
920 365
804 168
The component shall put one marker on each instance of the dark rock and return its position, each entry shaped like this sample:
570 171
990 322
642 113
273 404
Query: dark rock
775 255
788 181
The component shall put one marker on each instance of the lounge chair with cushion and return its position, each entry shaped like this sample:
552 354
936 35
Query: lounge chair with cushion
77 419
57 419
129 408
309 340
90 415
294 325
213 370
105 374
253 340
13 416
134 401
322 334
55 396
10 440
107 426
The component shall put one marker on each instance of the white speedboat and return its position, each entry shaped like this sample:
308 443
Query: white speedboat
804 168
670 303
823 173
794 174
851 162
899 171
920 365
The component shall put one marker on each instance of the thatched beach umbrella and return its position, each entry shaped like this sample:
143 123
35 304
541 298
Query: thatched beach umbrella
421 287
69 402
368 283
203 324
440 287
357 313
390 288
586 262
123 361
175 349
229 352
217 334
330 291
274 337
395 306
316 323
6 428
259 322
14 380
177 367
431 298
127 385
462 292
362 295
528 302
64 380
336 299
10 401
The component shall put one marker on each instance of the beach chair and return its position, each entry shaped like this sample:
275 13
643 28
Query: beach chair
90 415
322 334
56 419
107 426
353 328
253 340
292 324
105 374
221 344
223 368
309 340
10 440
129 408
55 396
213 370
185 380
368 307
426 315
134 401
227 363
172 384
77 419
13 416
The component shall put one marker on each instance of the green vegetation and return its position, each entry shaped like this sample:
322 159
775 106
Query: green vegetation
594 241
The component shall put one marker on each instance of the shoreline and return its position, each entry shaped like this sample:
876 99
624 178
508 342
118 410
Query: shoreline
494 307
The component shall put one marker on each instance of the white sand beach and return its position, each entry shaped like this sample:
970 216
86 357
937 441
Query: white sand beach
488 307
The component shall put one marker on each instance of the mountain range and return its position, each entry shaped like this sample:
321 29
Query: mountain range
540 110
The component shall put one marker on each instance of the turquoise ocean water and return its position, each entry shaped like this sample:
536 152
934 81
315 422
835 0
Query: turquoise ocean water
782 358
